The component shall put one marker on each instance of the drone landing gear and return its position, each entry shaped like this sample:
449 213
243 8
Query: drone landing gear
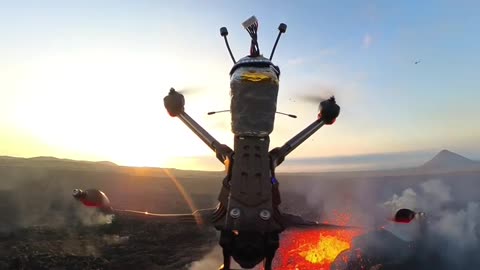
226 242
270 246
226 259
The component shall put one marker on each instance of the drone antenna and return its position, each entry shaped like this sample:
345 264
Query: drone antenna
214 112
282 28
289 115
224 34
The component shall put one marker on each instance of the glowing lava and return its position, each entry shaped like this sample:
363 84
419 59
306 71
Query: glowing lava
313 249
325 251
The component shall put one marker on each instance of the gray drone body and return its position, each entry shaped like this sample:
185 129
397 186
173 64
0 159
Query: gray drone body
249 205
248 214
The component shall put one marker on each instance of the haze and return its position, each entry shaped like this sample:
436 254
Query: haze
86 80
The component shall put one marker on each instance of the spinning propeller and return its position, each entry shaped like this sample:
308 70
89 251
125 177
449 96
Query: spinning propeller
188 90
327 106
316 99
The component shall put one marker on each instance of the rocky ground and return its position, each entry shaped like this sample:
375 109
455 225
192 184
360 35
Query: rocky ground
121 245
40 221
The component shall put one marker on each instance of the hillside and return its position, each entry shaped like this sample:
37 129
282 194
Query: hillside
446 160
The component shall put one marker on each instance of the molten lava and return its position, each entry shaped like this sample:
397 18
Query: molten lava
325 251
313 249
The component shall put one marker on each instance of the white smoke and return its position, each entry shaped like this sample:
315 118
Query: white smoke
432 197
47 205
460 228
437 191
453 228
213 260
91 216
408 199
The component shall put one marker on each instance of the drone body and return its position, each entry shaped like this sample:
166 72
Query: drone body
248 215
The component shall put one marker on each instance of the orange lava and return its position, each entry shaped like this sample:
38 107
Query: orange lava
324 251
312 249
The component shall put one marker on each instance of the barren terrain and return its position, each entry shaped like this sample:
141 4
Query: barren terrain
42 227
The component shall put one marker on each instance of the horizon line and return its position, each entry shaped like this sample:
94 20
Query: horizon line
342 163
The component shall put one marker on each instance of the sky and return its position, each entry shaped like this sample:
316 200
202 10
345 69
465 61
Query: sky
86 79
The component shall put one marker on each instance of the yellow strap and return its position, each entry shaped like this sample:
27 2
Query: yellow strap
255 77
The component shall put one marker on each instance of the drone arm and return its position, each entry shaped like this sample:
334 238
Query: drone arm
222 151
99 200
277 155
328 113
199 217
175 104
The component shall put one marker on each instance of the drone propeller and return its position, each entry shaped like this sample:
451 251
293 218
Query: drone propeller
188 90
328 110
316 99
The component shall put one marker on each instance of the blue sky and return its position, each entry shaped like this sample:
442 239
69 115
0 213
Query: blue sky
85 80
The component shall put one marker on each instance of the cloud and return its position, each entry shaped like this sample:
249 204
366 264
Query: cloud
367 41
327 52
324 52
296 61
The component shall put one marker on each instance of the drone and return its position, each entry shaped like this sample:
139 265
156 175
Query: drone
247 215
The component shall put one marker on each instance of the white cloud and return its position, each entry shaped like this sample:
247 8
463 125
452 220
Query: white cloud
324 52
367 41
296 61
327 52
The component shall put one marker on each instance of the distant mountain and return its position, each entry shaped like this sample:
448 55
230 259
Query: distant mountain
447 161
52 162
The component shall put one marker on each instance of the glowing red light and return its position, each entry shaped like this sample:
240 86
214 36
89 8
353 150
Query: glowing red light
312 249
89 203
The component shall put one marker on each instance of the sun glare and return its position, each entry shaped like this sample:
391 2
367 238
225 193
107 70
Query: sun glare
111 110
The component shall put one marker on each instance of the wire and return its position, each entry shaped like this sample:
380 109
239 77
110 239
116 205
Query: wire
252 30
